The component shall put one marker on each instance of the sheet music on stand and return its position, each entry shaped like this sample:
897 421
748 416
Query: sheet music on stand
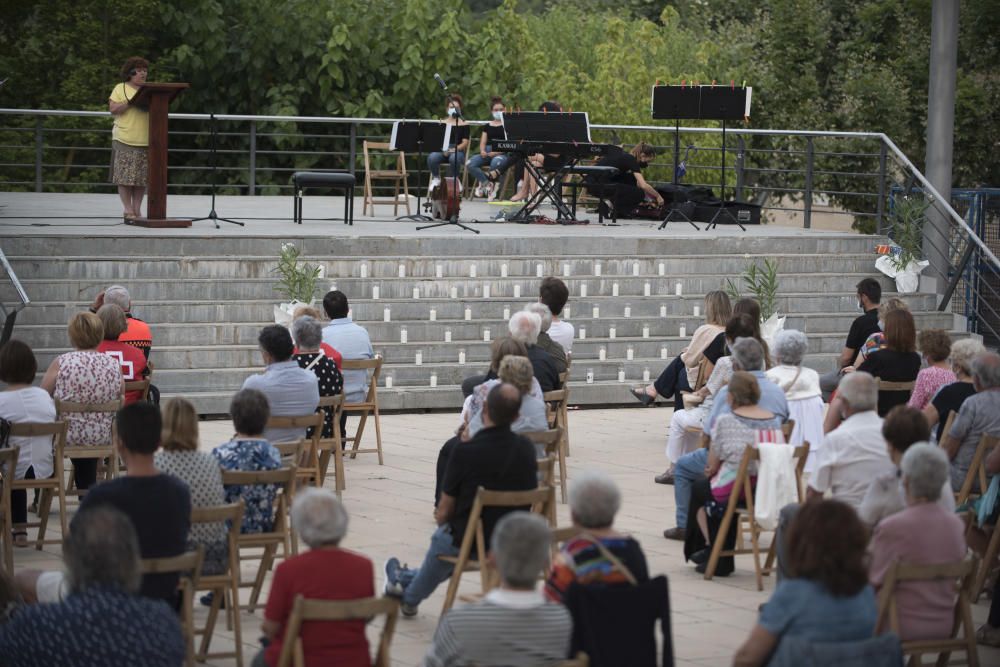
425 126
547 126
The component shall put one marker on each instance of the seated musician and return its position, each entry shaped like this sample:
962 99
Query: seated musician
458 142
492 131
628 189
542 162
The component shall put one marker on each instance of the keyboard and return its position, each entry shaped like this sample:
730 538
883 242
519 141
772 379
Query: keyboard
564 148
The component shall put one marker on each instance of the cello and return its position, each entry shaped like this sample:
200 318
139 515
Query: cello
446 198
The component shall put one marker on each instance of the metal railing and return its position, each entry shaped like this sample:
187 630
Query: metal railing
809 177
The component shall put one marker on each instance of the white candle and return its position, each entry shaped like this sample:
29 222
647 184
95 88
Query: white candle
566 270
486 291
454 292
503 270
677 289
438 271
583 289
565 313
486 334
434 315
402 334
473 269
597 269
629 353
647 289
621 373
386 314
461 357
506 312
602 354
517 291
663 352
333 287
375 291
364 270
628 310
663 311
645 374
468 313
697 311
683 331
590 376
539 269
583 333
447 335
645 331
402 270
596 312
388 381
662 269
434 380
612 332
418 358
416 292
614 289
635 269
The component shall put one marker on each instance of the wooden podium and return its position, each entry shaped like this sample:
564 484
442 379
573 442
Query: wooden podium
158 96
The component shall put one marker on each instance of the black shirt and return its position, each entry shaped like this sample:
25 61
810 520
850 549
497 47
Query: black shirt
160 510
892 366
331 383
459 133
545 368
949 398
717 348
862 327
493 133
496 459
625 163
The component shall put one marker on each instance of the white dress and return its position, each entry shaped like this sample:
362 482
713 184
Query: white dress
31 405
805 406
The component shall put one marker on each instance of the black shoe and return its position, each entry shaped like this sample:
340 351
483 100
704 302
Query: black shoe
720 571
676 533
207 600
665 477
700 557
492 175
642 396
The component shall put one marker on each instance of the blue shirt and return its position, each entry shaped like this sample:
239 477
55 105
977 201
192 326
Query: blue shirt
258 500
102 626
352 341
772 399
804 608
291 391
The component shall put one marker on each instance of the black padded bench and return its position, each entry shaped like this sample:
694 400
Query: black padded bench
324 179
600 175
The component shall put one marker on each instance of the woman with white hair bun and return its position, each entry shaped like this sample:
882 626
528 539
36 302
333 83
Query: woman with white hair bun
325 572
801 387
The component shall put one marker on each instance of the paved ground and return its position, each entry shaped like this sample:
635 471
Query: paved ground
390 508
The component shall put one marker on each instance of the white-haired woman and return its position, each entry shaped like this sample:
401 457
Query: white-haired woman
525 326
308 336
325 572
594 500
950 397
801 387
922 534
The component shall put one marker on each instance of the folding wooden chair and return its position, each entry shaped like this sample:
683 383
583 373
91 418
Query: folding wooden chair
308 463
280 533
365 407
963 632
734 512
8 467
703 374
558 402
334 406
988 564
948 422
54 484
977 469
304 609
581 660
887 386
188 565
551 442
291 452
537 499
397 176
137 385
99 452
787 428
224 586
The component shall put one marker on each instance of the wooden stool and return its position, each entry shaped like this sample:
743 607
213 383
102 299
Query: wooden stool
324 179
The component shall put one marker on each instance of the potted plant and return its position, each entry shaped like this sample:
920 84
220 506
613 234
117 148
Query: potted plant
762 283
902 260
297 282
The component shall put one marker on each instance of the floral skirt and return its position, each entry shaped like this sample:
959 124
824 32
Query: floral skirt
129 164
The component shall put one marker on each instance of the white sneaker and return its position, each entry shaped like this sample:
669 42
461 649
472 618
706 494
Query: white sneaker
435 182
478 192
494 190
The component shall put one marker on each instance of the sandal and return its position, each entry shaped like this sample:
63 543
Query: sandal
643 396
20 538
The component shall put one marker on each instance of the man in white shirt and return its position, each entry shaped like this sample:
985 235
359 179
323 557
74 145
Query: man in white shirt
554 294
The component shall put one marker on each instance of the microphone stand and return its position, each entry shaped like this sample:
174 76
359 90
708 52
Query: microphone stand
212 215
456 196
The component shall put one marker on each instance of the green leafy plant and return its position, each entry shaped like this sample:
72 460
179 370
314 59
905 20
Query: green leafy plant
762 283
908 218
298 280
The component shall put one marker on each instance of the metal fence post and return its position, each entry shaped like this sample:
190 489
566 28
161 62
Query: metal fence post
354 147
741 148
880 213
808 202
253 158
39 150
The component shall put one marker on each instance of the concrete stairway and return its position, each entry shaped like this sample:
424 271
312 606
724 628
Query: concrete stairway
206 300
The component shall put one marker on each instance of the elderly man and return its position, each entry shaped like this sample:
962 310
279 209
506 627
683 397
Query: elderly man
747 355
291 391
978 416
513 625
325 572
495 458
869 296
545 342
554 294
102 621
137 333
525 326
350 339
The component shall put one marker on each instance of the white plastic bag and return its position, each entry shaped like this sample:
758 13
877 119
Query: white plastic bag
908 278
283 312
770 328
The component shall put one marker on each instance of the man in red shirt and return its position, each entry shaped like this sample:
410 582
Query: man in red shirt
325 572
138 333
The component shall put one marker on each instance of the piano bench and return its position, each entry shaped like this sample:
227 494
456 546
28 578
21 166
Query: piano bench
601 175
323 179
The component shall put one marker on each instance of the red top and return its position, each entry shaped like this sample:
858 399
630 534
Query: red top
138 335
132 360
324 574
327 351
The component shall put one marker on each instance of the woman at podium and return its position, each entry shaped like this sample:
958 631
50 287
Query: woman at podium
130 137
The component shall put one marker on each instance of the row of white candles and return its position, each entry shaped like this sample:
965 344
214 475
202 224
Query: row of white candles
505 272
582 331
647 290
389 379
595 314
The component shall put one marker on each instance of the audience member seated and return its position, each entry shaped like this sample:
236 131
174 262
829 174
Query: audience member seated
544 341
10 599
935 346
681 374
138 333
525 327
513 625
978 416
179 456
497 459
101 621
680 440
594 500
876 341
748 355
291 391
801 387
554 294
499 348
249 451
949 398
732 433
496 161
85 376
902 427
22 403
131 359
352 341
308 334
325 572
159 506
898 361
869 295
989 632
310 311
924 533
826 597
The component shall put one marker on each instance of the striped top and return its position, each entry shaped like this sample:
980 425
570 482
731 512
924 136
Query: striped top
580 561
509 628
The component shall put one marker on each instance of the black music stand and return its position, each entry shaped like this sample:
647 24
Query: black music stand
724 103
412 135
452 142
675 103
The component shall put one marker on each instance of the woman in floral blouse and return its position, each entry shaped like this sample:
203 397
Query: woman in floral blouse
308 336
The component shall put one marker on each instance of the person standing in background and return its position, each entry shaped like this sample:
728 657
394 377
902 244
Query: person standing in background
130 137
